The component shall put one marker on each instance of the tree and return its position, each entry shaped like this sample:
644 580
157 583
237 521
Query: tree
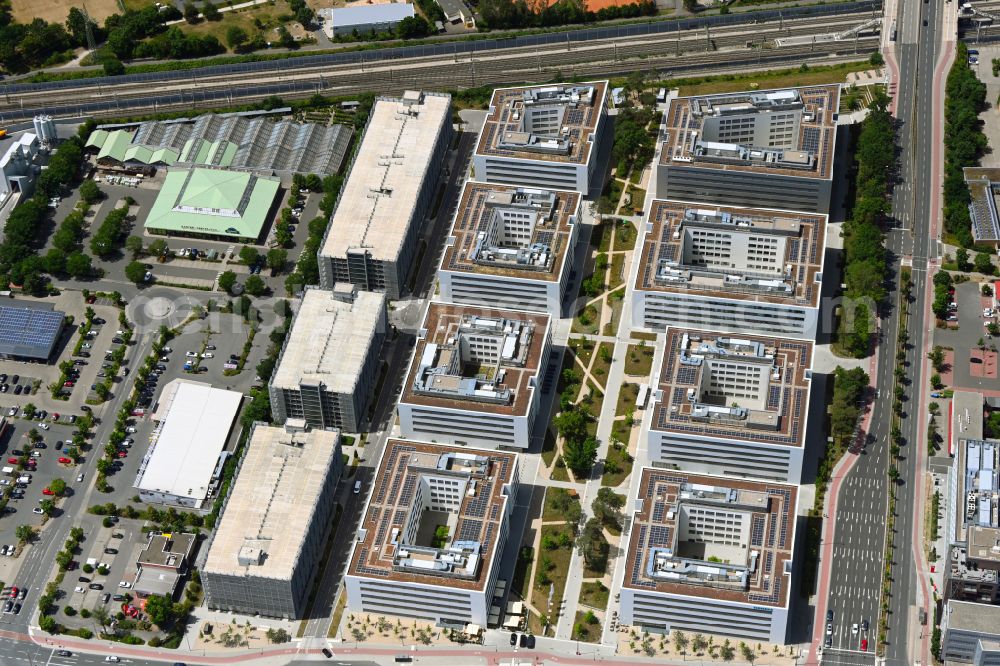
54 261
680 641
571 424
158 248
79 265
607 507
134 245
226 281
58 486
48 506
276 258
304 15
90 192
936 357
249 255
236 37
254 285
727 652
112 66
101 615
25 533
875 59
191 13
593 546
285 39
160 609
962 259
136 272
984 264
747 652
210 11
698 643
580 455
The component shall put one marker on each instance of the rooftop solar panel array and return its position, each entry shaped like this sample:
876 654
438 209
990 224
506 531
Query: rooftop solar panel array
29 332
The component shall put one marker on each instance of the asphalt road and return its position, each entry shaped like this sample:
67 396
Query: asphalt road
855 585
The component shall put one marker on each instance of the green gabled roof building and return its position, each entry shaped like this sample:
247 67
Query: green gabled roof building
213 203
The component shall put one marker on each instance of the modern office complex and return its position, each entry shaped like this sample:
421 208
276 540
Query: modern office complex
761 149
183 466
329 364
244 141
474 378
730 269
974 523
218 204
711 555
433 534
510 247
372 238
971 634
275 523
984 186
732 406
543 136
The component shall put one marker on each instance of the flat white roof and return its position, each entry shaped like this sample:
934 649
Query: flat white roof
377 201
193 435
273 501
330 340
362 15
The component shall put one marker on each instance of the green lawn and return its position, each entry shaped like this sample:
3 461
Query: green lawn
784 78
559 472
583 348
617 465
557 561
620 431
549 447
554 499
639 360
639 335
625 235
616 277
588 319
626 398
602 364
586 627
591 403
594 594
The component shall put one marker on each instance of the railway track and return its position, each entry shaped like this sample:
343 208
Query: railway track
686 52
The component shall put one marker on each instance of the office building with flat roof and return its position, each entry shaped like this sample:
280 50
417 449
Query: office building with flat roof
275 523
372 237
709 554
433 533
973 525
984 188
162 564
328 366
183 465
474 378
510 247
731 406
761 149
971 634
730 269
29 330
543 136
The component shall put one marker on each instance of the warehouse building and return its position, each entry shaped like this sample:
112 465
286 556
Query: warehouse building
732 406
760 149
362 19
710 555
275 523
730 269
984 185
216 204
328 367
510 247
241 141
183 467
433 533
543 136
29 330
474 378
372 237
971 634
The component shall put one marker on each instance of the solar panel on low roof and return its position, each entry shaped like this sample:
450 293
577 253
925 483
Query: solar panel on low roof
29 332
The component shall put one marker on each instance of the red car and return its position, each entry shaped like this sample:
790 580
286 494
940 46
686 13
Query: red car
69 384
12 460
55 417
864 645
122 454
65 461
13 592
46 491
